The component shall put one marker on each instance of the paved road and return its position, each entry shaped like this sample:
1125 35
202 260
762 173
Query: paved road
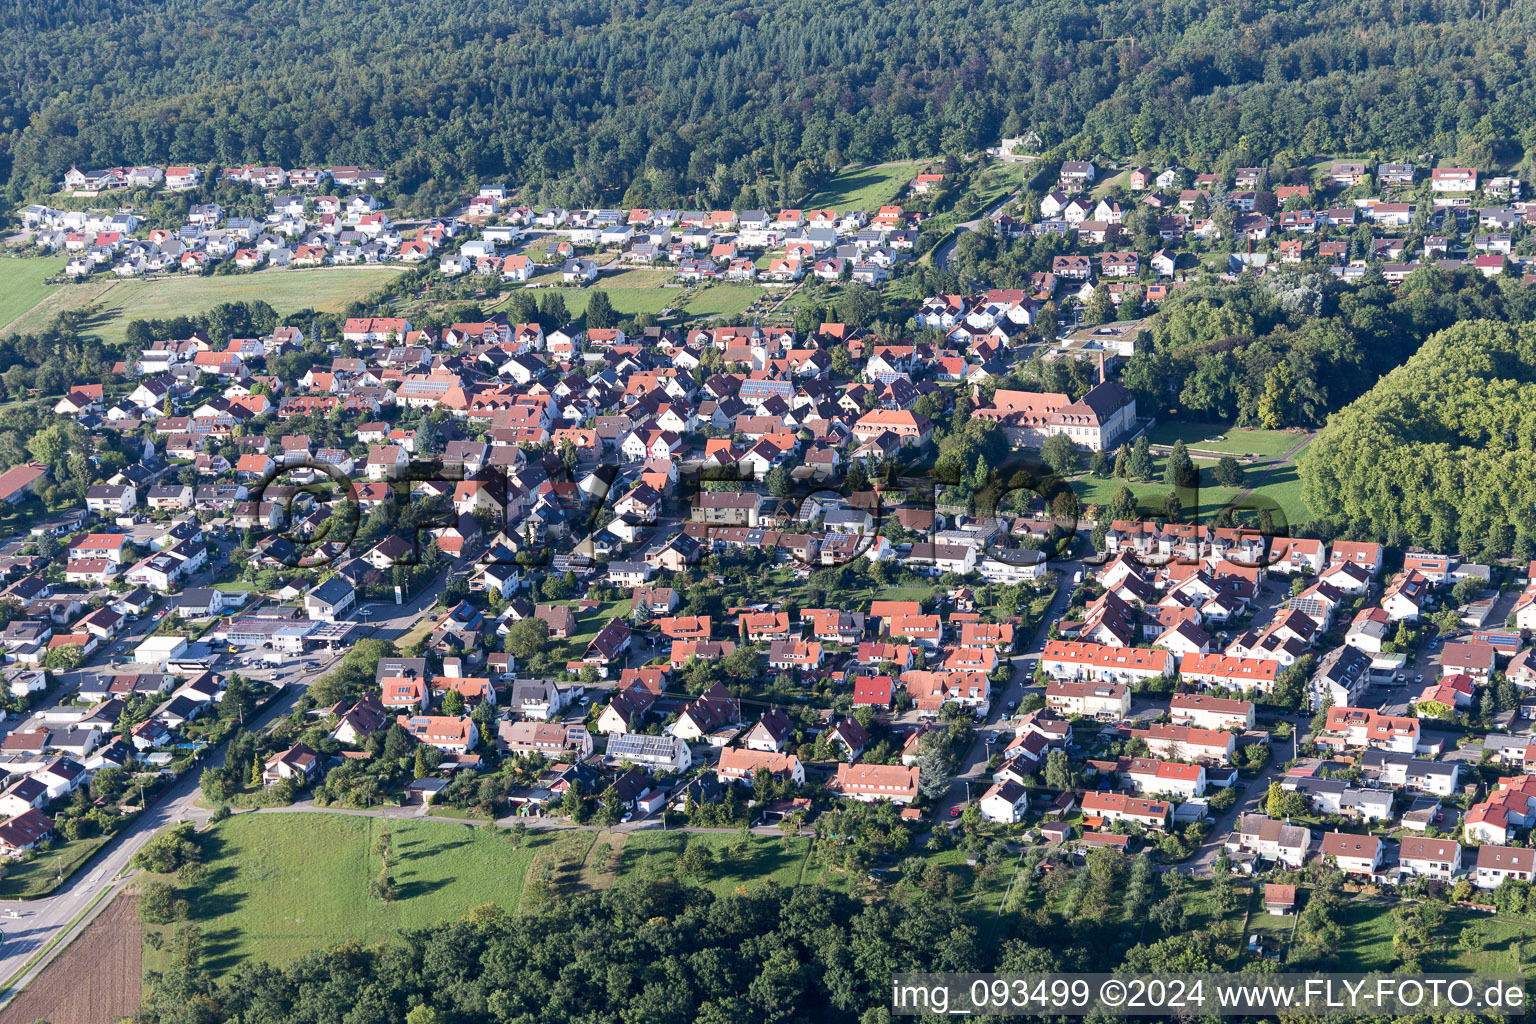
942 254
28 926
971 779
1251 800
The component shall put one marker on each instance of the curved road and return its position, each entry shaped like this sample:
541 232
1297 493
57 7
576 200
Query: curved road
942 254
28 926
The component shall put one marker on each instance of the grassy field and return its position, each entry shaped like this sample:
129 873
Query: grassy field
39 876
1282 486
997 181
326 290
1237 440
636 291
1493 950
723 300
21 284
1151 494
631 291
279 885
1368 932
651 855
865 188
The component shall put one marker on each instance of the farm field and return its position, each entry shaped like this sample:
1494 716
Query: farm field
864 188
98 977
326 289
21 284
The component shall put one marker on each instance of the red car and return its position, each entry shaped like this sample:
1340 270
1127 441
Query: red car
954 812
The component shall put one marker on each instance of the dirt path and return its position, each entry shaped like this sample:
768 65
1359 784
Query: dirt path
599 870
97 980
1269 467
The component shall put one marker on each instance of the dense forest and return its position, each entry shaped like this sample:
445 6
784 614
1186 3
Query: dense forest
655 953
745 102
663 950
1442 451
1287 349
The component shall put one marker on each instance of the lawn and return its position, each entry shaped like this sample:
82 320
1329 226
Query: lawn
1368 932
1281 485
21 284
280 885
1260 920
39 876
1237 440
1103 186
326 290
591 622
865 188
913 593
1150 494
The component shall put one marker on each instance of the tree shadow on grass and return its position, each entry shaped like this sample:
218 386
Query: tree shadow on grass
218 949
425 848
421 887
208 901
